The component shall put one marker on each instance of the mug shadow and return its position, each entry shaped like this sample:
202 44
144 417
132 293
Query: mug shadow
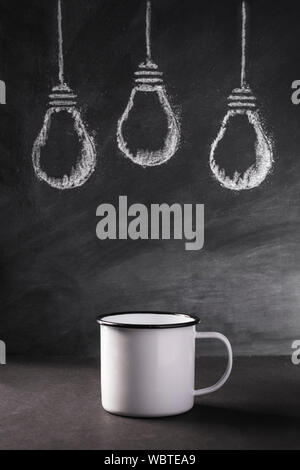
209 414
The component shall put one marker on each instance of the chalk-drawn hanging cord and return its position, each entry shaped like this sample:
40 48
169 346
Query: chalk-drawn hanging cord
148 64
148 31
60 45
244 45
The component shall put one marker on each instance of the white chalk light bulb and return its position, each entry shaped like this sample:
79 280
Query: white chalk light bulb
242 102
62 99
148 79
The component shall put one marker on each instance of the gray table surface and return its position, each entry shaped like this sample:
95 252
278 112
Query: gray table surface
55 404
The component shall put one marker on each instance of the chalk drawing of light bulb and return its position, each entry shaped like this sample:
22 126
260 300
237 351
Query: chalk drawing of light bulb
63 100
243 103
149 80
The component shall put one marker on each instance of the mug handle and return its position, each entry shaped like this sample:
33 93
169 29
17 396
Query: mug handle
223 380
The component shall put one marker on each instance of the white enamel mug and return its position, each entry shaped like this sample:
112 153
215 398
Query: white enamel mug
148 363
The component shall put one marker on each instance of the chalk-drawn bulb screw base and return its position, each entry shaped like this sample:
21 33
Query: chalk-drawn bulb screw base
148 79
63 99
242 102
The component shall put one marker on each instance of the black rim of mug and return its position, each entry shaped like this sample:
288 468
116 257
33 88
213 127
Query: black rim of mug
101 320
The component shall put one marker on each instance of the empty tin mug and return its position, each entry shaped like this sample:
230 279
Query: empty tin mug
148 363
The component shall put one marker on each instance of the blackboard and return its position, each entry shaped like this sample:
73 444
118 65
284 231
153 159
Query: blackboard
56 276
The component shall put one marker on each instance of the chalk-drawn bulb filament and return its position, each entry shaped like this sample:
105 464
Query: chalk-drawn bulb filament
149 81
242 103
62 99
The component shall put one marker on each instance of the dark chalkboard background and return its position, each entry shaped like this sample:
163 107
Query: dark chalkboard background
55 275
